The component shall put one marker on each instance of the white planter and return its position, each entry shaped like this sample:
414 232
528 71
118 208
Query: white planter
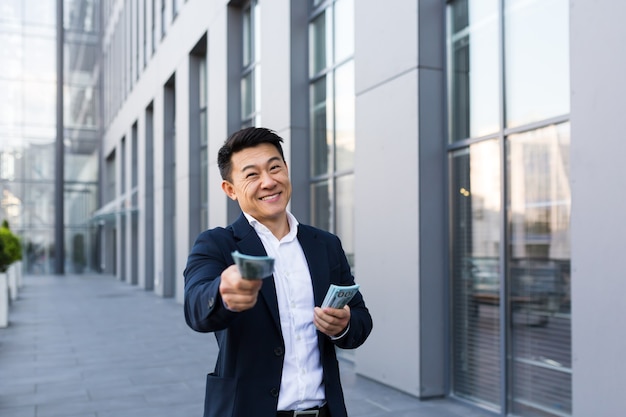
12 274
20 273
4 300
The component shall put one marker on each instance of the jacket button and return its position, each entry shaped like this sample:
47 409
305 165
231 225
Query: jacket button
274 392
278 351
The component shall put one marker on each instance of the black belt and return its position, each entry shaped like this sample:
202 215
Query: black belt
309 412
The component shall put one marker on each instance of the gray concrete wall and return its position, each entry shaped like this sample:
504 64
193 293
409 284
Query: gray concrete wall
598 65
386 175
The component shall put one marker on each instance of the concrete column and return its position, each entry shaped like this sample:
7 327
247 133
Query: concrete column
183 166
597 65
386 166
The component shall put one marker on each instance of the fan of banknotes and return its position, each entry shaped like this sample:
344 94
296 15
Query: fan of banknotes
338 296
253 267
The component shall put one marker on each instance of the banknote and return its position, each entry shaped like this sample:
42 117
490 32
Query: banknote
253 267
338 296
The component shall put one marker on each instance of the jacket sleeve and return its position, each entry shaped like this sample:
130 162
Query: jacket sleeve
209 256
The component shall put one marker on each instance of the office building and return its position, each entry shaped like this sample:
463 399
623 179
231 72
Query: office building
465 151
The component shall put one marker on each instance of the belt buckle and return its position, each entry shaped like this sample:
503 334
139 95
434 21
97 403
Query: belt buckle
306 413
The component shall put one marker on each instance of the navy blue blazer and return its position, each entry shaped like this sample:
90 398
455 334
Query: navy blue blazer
247 375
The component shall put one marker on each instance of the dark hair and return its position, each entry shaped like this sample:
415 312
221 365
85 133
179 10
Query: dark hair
242 139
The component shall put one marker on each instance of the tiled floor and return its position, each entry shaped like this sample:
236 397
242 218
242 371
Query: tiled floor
91 346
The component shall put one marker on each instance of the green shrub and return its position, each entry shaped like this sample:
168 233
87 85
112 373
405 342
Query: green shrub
10 247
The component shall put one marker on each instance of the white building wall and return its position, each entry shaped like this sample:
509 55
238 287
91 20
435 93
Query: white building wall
598 146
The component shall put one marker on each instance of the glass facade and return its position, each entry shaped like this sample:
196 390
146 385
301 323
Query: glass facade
332 120
251 67
28 128
510 205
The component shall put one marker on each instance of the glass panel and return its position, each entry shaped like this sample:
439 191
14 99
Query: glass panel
320 48
80 107
536 60
38 12
474 79
321 126
11 104
344 207
344 29
39 59
344 117
539 271
476 217
321 205
11 11
40 103
11 55
247 96
247 36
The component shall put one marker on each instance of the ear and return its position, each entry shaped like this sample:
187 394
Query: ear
229 190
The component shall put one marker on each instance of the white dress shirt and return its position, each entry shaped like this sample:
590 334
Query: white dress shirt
301 386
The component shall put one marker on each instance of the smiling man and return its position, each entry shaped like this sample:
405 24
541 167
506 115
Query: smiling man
276 345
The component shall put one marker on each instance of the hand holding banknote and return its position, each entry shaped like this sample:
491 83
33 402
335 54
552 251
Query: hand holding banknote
333 317
240 283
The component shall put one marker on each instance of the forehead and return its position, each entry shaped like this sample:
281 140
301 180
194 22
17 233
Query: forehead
256 155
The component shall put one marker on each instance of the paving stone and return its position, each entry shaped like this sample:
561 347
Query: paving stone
92 346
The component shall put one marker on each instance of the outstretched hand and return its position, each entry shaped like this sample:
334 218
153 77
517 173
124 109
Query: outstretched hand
238 294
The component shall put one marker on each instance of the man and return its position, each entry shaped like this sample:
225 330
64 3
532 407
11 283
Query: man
276 345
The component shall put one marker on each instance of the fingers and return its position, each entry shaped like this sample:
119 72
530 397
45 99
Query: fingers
237 293
331 321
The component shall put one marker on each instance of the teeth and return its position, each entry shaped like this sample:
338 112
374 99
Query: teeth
269 197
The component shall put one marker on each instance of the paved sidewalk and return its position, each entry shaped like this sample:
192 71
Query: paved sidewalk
91 346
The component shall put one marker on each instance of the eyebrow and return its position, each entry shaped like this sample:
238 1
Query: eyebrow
269 161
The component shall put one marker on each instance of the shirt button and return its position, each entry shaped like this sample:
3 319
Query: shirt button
278 351
274 392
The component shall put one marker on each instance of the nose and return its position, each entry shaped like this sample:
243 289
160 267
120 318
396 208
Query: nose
267 180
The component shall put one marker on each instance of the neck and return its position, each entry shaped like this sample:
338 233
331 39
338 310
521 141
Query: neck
280 228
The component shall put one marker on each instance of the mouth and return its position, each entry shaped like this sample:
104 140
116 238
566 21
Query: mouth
270 197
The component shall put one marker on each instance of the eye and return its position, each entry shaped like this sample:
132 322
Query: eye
275 167
251 174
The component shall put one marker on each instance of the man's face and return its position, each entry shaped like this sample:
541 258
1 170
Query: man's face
260 183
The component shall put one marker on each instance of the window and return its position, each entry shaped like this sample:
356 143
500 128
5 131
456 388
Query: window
332 101
510 203
251 68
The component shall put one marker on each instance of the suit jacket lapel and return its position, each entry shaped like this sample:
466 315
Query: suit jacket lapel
248 242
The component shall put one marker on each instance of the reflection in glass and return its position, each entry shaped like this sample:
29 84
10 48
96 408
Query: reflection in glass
251 69
344 30
344 208
536 60
344 117
321 126
321 205
11 55
476 218
320 45
539 271
473 78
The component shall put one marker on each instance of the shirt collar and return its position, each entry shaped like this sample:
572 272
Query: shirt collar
260 228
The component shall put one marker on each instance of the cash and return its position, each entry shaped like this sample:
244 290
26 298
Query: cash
253 267
338 296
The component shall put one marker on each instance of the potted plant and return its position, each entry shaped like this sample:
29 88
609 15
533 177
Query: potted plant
10 247
10 252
